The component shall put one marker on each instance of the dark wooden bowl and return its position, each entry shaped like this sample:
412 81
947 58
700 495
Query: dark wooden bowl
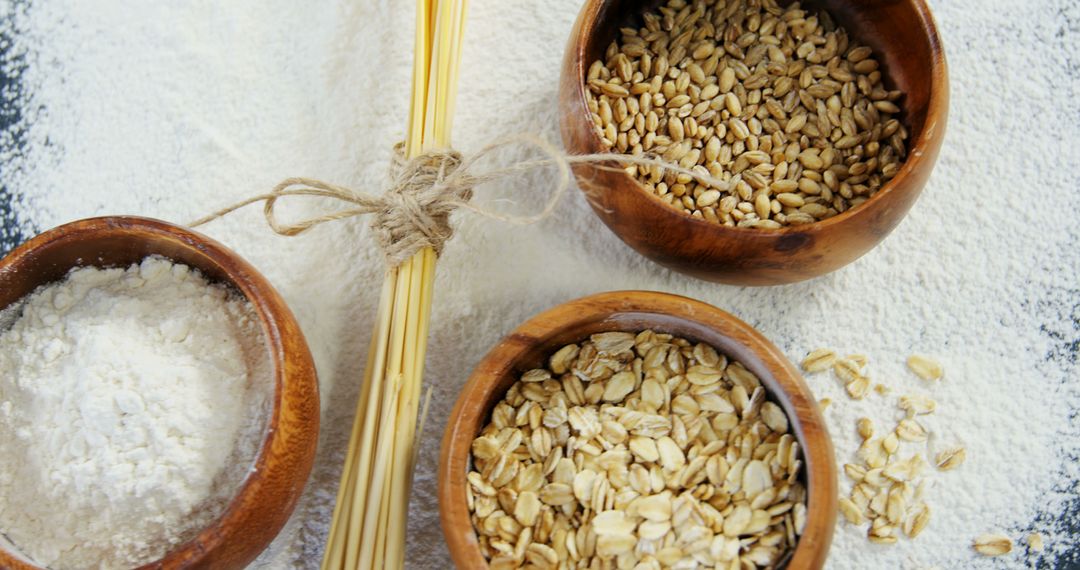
269 494
532 343
901 33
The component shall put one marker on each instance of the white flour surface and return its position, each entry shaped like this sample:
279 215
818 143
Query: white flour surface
173 110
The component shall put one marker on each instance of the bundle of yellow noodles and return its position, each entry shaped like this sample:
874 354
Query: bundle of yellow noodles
368 529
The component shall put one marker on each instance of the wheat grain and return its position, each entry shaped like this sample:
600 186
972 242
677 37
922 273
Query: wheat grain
791 116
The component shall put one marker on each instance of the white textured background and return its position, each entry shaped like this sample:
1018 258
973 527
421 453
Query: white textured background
174 110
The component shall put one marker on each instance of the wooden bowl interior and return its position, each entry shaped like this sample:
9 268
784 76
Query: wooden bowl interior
531 344
895 30
54 259
269 493
535 355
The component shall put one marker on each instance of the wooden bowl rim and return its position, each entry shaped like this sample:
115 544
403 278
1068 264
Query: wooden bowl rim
916 159
243 278
482 386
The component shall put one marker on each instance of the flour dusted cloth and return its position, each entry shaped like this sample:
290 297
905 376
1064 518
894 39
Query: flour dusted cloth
171 110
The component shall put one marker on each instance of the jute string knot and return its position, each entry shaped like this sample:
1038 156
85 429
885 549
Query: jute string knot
414 212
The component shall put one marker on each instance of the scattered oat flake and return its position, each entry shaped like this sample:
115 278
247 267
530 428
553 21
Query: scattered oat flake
1035 541
924 367
917 405
992 544
819 360
917 521
882 539
848 371
950 458
911 430
858 387
851 511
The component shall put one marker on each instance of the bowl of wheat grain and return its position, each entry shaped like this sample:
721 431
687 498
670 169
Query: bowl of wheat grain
800 134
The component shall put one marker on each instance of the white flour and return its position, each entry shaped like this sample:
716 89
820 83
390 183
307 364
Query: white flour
173 110
132 402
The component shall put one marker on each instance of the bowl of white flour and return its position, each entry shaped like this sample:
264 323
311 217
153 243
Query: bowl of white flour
158 403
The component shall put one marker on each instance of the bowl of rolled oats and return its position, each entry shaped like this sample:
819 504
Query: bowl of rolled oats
636 429
798 135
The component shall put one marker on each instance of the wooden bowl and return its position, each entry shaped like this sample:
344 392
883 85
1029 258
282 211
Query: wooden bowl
902 35
270 492
532 343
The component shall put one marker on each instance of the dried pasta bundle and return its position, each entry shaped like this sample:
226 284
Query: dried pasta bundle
368 529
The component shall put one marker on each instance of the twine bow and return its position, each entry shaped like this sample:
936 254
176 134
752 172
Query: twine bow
414 212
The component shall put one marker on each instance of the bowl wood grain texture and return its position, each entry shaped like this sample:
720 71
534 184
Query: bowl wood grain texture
905 40
268 495
532 343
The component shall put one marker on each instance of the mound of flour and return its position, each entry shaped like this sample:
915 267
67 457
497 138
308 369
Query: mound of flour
131 402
